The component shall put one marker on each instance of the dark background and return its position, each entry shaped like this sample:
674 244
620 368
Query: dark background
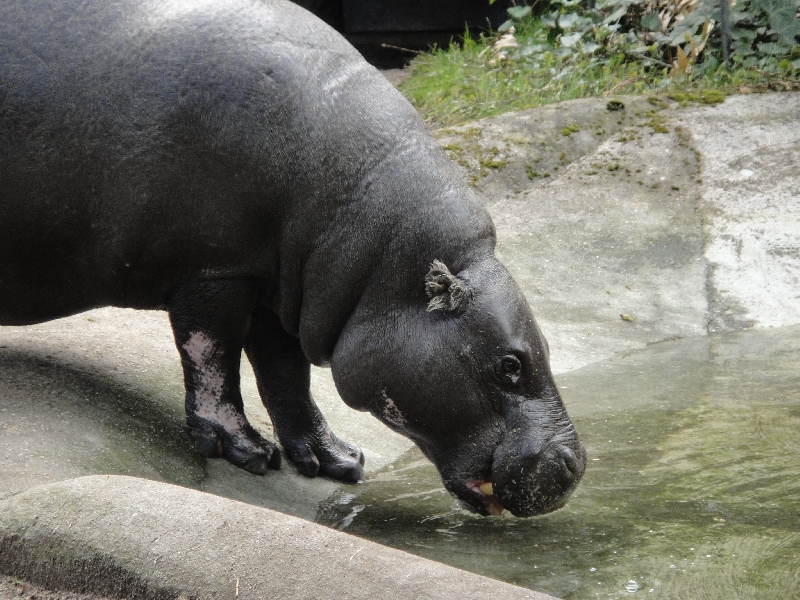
413 25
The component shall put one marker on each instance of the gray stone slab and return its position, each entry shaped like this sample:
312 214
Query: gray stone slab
130 537
751 191
102 392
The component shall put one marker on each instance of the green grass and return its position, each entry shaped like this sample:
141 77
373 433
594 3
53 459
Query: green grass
467 82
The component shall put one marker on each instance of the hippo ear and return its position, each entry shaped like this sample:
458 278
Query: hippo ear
446 291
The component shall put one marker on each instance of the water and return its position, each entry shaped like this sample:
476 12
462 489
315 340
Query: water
692 488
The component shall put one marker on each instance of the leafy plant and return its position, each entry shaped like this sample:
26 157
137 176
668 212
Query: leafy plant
665 47
765 28
666 32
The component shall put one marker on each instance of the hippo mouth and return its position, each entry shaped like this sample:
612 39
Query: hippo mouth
480 498
525 485
475 495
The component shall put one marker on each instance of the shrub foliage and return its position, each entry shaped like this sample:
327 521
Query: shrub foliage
553 50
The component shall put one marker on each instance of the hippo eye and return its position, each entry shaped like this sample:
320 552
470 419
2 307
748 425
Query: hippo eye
510 367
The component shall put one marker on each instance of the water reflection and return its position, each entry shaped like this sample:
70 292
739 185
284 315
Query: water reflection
692 489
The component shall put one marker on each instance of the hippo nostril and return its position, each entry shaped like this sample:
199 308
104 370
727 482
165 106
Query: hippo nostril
571 461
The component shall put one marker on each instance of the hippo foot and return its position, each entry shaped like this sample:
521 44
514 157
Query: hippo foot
244 448
323 453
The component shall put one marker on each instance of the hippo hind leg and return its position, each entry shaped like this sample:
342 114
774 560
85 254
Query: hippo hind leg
284 377
210 321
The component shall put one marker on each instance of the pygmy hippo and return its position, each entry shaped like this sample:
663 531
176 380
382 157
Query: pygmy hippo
238 164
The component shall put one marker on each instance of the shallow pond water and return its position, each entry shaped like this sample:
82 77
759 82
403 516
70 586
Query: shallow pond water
692 488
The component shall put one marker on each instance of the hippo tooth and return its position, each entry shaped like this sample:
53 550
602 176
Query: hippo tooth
486 488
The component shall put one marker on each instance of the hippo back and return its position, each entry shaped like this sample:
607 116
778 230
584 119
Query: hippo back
144 143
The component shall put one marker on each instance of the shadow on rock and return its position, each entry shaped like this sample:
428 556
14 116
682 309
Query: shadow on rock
59 421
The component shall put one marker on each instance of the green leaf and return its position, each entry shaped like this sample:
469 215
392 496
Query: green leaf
584 24
616 15
770 48
743 35
570 40
651 21
771 6
786 26
550 21
568 20
658 37
743 41
519 11
781 18
534 49
505 26
678 34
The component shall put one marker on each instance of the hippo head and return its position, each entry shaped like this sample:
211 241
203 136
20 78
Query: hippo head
463 371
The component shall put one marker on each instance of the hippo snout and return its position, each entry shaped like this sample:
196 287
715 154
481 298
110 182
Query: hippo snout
537 482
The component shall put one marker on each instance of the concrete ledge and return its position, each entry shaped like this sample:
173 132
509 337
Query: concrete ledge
135 538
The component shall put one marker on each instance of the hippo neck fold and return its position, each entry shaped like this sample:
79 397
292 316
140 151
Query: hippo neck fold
373 251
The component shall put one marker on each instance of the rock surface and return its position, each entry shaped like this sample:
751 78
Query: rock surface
651 222
14 588
133 538
751 196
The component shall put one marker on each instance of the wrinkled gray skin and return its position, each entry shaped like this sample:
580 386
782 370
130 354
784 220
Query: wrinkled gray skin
237 163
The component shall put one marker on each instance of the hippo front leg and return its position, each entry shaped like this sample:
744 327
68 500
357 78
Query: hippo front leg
284 377
210 321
